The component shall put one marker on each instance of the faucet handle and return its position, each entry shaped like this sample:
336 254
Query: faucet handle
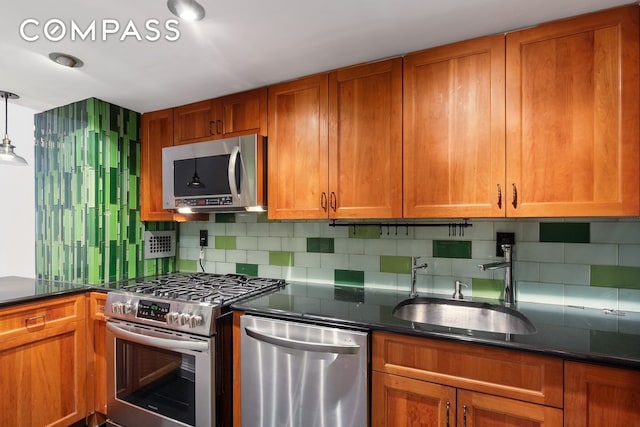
457 293
414 263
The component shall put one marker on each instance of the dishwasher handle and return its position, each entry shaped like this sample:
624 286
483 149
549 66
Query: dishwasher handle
303 345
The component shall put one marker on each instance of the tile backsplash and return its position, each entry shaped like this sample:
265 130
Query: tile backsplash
573 262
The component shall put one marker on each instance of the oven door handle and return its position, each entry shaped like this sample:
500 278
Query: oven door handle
165 343
303 345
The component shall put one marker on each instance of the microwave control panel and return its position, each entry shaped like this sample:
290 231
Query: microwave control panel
205 201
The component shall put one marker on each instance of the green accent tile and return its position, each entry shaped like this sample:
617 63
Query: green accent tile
612 276
225 218
395 264
248 269
617 343
452 249
364 232
187 265
282 258
225 242
349 277
487 288
348 293
565 232
320 244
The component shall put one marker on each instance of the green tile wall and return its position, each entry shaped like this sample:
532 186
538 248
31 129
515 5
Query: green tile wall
395 264
225 242
615 276
320 244
281 258
248 269
452 249
87 173
565 232
364 232
349 277
486 288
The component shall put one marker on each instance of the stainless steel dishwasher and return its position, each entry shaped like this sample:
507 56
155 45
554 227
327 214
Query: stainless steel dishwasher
301 375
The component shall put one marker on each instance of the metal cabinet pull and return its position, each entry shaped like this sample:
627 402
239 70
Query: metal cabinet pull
323 201
464 416
448 408
219 122
334 201
499 197
515 196
211 130
34 318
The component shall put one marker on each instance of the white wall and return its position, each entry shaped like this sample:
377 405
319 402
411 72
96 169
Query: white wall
17 197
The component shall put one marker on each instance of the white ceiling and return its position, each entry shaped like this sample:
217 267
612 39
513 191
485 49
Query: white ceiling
240 44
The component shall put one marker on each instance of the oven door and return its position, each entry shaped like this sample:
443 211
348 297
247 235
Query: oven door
157 377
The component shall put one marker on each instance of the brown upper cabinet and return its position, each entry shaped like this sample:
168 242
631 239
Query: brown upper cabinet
335 144
232 115
572 117
454 142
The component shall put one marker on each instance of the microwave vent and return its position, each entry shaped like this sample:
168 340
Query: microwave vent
159 244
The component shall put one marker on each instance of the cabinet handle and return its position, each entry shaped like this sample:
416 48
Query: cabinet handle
464 416
34 318
323 201
447 417
499 197
218 122
334 201
211 129
514 202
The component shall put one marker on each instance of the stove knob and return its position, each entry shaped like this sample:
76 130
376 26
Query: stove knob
172 318
195 320
183 319
117 307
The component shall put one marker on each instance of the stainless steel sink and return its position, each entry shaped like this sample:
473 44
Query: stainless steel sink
463 314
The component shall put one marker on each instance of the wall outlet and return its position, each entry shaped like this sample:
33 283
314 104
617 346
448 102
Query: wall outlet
504 238
204 238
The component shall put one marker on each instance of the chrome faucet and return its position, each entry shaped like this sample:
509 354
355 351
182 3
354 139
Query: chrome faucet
414 267
508 278
457 292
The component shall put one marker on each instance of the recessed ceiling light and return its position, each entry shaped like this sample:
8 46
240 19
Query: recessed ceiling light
189 10
66 60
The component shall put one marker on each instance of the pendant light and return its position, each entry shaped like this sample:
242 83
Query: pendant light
189 10
7 156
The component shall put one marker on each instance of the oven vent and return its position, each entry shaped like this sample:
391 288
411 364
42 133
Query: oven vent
159 244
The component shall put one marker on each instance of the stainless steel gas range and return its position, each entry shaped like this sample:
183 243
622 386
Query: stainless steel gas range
169 348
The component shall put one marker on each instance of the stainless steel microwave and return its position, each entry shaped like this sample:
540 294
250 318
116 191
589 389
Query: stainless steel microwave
225 175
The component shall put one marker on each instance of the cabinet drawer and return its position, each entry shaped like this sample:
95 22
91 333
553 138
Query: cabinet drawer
508 373
97 303
36 316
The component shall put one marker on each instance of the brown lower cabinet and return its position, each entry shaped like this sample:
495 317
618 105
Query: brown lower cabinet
42 362
96 358
426 382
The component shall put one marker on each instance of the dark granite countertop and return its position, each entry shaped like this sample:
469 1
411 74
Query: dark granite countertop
569 332
15 290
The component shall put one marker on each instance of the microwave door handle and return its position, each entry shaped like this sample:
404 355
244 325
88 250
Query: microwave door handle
165 343
233 161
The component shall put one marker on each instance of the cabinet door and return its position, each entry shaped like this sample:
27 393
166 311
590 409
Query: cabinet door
195 122
601 396
157 132
572 117
97 301
43 372
483 410
400 401
365 141
242 113
298 149
454 143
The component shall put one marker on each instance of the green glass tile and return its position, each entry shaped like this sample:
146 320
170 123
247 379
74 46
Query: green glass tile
187 265
225 218
349 277
486 288
348 293
565 232
225 242
364 232
248 269
395 264
612 276
452 249
320 244
281 258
